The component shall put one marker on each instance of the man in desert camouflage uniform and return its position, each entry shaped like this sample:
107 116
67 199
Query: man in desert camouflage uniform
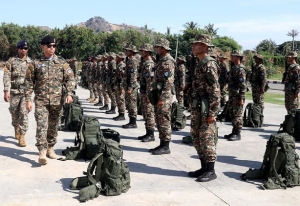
292 82
93 79
222 78
110 79
73 65
89 70
237 90
104 71
162 85
119 86
131 86
146 80
46 79
99 81
180 79
14 77
205 105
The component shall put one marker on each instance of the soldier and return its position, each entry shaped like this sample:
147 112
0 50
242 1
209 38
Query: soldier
89 71
163 84
205 106
73 65
46 79
292 82
258 81
119 86
94 80
104 71
99 81
222 78
131 85
180 79
14 77
237 89
110 79
146 79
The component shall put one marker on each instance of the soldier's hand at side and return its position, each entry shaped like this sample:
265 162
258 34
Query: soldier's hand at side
296 95
241 102
211 119
69 99
160 103
122 91
128 91
6 96
28 106
262 91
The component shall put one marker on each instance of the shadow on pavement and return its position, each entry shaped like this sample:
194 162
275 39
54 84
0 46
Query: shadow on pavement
234 161
65 183
136 149
128 137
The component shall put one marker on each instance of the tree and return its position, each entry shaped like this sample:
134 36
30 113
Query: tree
293 33
226 44
211 30
267 45
191 25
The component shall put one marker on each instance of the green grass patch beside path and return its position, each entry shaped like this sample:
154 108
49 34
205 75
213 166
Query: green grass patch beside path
273 98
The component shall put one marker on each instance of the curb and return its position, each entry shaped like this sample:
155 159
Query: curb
275 82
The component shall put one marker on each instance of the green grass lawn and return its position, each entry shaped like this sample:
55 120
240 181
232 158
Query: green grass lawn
269 98
277 76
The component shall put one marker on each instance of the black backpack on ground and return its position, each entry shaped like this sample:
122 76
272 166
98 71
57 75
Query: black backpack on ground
224 115
291 124
178 118
253 116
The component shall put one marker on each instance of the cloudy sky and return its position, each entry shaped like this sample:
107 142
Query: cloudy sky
247 21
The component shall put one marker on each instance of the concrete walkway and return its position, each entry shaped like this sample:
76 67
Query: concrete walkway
155 180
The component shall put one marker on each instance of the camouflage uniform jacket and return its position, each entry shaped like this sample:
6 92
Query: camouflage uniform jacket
131 73
74 68
110 78
206 85
146 76
120 73
46 79
223 73
291 81
258 77
236 81
14 74
104 68
164 75
90 72
98 74
180 76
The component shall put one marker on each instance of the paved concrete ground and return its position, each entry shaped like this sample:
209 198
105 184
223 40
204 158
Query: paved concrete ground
155 180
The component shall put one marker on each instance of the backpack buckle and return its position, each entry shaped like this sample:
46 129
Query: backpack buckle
98 185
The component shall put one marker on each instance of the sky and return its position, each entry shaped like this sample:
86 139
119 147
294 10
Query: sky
247 21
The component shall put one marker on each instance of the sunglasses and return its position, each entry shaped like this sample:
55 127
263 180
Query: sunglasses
23 48
51 45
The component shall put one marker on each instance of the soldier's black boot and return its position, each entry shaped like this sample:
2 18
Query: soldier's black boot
105 107
112 110
131 124
120 117
163 149
227 136
236 136
143 136
160 144
149 136
99 103
209 174
200 171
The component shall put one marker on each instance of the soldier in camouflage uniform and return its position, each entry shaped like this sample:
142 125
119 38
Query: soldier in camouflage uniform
292 82
162 85
146 80
119 86
258 81
14 77
89 71
131 85
46 79
73 65
205 106
94 80
237 89
110 79
222 78
104 71
180 79
99 81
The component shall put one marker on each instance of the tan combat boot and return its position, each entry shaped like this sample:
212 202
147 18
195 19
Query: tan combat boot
17 133
93 99
42 157
51 153
89 99
96 100
22 142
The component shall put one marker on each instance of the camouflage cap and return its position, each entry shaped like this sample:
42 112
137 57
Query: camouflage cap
112 54
237 53
73 59
131 47
121 55
203 38
291 54
105 55
258 56
99 56
146 47
163 43
182 58
223 56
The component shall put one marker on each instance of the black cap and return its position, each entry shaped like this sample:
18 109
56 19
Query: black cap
22 43
48 40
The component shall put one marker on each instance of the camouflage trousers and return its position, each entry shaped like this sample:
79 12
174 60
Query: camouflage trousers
91 89
47 119
19 114
163 117
95 89
105 94
100 93
120 98
203 136
291 102
258 98
235 112
112 96
148 112
131 102
179 95
223 89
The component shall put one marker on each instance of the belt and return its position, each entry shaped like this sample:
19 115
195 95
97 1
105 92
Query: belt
20 86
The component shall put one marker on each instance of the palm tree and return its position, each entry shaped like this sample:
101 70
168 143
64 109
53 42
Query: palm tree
293 34
191 25
211 30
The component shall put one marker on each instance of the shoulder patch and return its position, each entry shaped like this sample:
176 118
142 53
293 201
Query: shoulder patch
66 66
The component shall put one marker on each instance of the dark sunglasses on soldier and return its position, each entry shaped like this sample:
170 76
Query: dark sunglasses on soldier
23 48
51 45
